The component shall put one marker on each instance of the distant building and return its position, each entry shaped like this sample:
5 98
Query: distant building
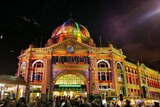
71 64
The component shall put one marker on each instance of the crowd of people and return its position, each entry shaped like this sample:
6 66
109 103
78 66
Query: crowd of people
59 101
65 101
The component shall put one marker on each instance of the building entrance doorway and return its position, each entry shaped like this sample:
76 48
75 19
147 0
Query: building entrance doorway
69 85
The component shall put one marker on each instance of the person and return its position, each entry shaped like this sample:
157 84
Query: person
156 104
117 105
49 103
54 102
94 103
66 102
86 103
4 103
128 104
12 102
21 102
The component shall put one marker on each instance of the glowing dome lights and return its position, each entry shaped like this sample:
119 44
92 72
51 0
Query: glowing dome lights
71 29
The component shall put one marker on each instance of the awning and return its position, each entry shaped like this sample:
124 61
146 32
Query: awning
10 79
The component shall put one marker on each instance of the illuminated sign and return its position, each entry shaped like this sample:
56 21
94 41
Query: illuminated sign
70 59
70 85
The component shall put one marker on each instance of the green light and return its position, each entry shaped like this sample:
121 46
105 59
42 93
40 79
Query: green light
77 26
69 85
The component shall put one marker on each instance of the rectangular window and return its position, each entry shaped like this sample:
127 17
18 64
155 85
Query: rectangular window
99 76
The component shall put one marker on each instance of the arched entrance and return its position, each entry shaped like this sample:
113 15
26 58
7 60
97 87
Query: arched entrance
70 85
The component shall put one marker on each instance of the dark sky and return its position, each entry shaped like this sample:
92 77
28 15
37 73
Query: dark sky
133 25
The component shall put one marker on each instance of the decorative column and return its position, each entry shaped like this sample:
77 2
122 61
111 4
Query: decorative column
87 87
139 78
147 89
27 90
125 80
132 79
19 65
128 77
114 76
47 89
19 68
94 76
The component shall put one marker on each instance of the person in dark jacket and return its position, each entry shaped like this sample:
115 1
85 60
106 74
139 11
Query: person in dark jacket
128 104
156 104
21 102
86 103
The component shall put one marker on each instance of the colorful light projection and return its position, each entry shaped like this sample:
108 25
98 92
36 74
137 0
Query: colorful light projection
71 29
23 69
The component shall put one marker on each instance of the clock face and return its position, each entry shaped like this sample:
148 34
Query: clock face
70 49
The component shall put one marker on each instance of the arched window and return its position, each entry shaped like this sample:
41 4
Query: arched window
119 65
103 64
104 74
69 79
38 65
37 70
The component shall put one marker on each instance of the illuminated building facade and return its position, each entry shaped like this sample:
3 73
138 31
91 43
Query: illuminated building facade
71 64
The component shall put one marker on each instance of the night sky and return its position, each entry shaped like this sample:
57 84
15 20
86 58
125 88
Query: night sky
133 25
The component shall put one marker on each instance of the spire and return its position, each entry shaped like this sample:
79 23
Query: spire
100 41
70 10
